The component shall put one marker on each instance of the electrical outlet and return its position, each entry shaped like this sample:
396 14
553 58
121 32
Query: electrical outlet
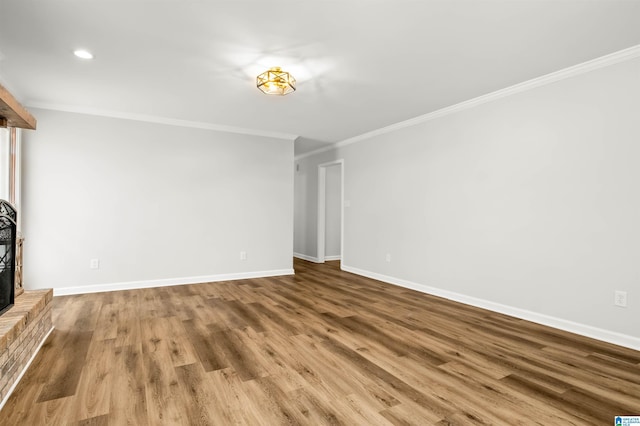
388 257
620 298
243 255
94 264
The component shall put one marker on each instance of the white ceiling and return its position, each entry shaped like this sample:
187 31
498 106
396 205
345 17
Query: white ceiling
360 64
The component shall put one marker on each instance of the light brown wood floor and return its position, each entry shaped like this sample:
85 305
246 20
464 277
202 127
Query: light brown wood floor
322 347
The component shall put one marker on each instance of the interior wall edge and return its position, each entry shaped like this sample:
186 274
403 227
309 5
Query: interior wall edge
594 64
620 339
336 257
134 285
146 118
306 257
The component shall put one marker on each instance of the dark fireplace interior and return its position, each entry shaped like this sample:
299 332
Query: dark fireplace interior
7 255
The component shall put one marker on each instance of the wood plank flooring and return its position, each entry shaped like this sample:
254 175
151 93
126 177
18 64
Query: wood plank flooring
321 347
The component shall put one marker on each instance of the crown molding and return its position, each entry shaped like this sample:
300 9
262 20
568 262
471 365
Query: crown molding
161 120
318 151
601 62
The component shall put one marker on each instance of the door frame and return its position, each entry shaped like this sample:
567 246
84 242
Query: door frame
322 206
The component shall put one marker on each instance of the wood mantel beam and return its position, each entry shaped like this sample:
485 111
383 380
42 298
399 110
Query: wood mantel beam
12 114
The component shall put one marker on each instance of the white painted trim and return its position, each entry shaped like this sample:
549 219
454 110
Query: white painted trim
321 224
17 202
5 156
315 259
162 120
604 61
329 147
559 323
24 370
132 285
322 205
305 257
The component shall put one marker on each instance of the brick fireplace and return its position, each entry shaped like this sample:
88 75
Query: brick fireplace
23 329
25 316
8 233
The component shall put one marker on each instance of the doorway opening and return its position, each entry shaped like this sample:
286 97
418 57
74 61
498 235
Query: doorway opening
331 211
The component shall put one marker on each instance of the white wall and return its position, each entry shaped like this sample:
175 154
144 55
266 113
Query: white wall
529 202
152 202
333 206
302 197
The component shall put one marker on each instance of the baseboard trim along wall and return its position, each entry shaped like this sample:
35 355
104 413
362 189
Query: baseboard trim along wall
305 257
132 285
26 367
561 324
315 259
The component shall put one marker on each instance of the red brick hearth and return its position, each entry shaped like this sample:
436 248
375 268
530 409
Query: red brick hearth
22 330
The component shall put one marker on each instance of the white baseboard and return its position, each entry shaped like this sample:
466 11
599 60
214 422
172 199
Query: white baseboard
132 285
305 257
559 323
315 259
24 370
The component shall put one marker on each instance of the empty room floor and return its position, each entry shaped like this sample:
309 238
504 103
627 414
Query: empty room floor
321 347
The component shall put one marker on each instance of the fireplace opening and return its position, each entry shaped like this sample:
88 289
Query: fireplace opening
7 255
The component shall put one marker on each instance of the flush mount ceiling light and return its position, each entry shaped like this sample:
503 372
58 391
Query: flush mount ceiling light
276 82
83 54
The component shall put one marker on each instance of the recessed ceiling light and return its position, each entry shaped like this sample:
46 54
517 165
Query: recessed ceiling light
84 54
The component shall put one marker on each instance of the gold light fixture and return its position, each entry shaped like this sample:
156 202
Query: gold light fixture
276 82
